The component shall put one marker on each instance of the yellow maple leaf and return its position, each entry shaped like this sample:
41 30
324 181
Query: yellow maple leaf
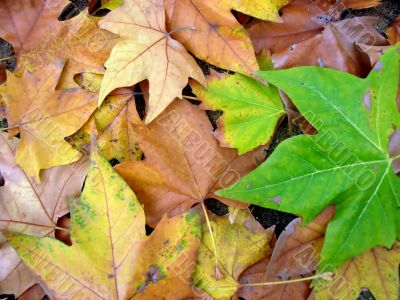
44 116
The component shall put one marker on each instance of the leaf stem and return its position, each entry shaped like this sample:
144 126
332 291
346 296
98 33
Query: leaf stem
191 98
181 28
211 234
325 276
61 228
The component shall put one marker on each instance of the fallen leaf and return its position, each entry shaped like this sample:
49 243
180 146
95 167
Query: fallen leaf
183 162
44 116
296 254
39 38
238 245
15 277
308 173
111 123
251 110
393 33
335 47
217 37
107 225
310 35
31 208
147 51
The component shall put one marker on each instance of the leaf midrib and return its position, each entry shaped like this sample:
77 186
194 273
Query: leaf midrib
314 173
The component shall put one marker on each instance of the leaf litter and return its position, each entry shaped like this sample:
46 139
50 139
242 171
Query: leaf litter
172 159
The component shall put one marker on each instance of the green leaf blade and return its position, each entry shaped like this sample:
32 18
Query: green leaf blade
251 110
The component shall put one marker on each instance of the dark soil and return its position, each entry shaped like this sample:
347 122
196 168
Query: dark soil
387 12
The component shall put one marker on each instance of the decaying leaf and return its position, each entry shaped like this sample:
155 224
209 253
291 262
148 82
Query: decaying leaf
183 162
310 34
217 37
111 123
347 164
107 225
238 245
44 116
39 38
251 110
147 51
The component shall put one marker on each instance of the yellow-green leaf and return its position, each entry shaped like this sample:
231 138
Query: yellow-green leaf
251 110
376 270
111 257
112 123
238 245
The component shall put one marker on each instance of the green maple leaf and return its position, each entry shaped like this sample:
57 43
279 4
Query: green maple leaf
347 164
251 110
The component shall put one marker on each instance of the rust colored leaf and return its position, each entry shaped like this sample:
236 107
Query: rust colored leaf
183 162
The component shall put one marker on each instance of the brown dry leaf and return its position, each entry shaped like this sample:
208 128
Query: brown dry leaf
111 123
147 51
296 253
39 38
216 36
31 208
393 33
45 116
183 162
310 35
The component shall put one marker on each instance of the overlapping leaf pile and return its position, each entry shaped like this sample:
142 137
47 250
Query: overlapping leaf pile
119 84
